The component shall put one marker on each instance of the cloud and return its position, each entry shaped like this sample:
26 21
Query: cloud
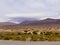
29 8
36 15
15 6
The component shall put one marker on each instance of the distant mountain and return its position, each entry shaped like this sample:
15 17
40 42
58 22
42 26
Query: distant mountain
12 22
21 19
44 22
6 23
47 21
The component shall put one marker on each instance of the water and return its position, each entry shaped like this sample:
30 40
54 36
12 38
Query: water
10 42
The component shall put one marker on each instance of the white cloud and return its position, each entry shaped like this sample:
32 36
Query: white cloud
17 8
22 15
37 15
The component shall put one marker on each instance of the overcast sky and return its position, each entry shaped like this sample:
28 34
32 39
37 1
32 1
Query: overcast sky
29 8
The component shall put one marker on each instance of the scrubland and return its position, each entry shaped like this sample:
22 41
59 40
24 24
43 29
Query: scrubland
40 33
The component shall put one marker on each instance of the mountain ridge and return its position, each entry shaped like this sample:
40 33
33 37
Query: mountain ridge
47 21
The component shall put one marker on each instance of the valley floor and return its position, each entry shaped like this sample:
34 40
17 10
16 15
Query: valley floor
43 36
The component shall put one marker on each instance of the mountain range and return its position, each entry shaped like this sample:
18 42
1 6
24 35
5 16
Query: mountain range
47 21
31 22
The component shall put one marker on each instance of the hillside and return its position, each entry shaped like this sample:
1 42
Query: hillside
47 21
35 23
6 23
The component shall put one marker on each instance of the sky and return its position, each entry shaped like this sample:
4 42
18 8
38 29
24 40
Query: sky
29 8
